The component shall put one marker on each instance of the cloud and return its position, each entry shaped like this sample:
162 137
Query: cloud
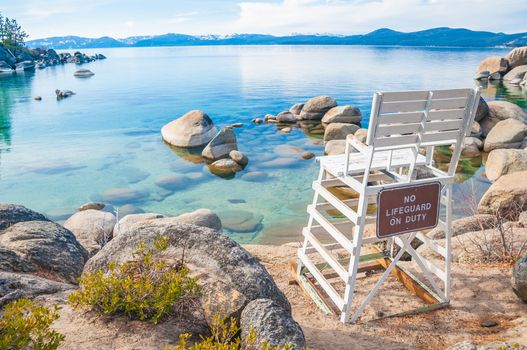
360 16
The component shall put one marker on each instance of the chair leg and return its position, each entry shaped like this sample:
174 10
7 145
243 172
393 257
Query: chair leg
448 242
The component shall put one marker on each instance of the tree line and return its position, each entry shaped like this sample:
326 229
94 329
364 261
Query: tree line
11 33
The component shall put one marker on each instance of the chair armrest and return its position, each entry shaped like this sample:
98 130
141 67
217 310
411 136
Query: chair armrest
356 143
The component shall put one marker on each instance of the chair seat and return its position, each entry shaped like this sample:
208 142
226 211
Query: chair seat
335 165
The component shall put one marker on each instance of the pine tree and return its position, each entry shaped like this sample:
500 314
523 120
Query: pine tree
11 33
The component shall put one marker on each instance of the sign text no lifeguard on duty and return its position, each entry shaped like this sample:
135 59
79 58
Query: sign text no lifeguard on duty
407 209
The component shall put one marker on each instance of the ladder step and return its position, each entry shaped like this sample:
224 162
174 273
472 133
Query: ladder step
330 228
335 202
325 254
328 288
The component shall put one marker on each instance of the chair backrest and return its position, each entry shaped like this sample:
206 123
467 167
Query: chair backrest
421 118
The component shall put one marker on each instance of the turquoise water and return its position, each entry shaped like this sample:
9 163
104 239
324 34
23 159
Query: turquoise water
56 155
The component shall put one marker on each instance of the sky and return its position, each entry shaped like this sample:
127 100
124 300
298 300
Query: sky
124 18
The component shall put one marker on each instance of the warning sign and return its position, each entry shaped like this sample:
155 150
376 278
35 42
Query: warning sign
407 209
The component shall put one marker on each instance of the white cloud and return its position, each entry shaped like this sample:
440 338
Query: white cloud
360 16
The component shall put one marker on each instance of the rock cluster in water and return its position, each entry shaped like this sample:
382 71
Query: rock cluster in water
22 59
511 68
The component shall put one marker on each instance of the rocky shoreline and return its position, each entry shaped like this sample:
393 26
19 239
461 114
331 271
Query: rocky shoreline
22 59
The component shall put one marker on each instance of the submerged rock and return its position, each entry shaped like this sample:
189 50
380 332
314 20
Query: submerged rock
63 93
255 176
220 146
224 167
173 182
193 129
128 209
83 73
316 108
123 195
240 220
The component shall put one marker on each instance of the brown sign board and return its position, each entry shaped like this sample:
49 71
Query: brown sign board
407 209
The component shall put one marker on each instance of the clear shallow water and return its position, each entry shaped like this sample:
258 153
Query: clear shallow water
56 155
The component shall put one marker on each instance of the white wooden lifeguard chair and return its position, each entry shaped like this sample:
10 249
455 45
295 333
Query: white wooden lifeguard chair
404 129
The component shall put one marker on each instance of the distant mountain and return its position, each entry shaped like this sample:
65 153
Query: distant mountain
431 37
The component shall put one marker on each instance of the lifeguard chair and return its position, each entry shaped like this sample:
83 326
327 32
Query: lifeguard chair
404 129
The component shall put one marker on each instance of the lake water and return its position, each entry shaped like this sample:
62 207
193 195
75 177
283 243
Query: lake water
57 155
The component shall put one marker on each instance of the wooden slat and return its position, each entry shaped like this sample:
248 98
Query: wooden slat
445 136
331 229
396 141
335 202
431 244
444 125
415 106
410 117
447 114
394 129
423 95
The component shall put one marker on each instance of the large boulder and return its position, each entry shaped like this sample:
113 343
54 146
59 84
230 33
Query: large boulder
501 110
339 131
517 57
220 146
493 65
201 217
343 114
516 73
128 221
7 56
230 277
519 279
92 228
296 109
42 248
507 196
272 324
472 147
5 67
317 107
334 147
286 117
505 161
194 129
467 224
11 214
507 133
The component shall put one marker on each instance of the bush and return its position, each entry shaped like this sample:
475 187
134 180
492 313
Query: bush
146 288
25 325
225 336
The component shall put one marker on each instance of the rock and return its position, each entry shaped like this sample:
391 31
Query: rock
343 114
517 57
519 279
239 157
482 111
43 248
7 56
505 161
286 130
173 182
257 121
507 196
92 228
316 108
296 109
482 75
91 205
255 176
493 65
5 67
507 133
286 117
516 73
224 167
475 130
279 163
361 135
83 73
501 110
334 147
123 195
15 286
11 214
25 65
522 219
236 125
128 209
63 93
516 81
230 277
272 324
193 129
339 131
269 117
471 147
201 217
220 146
495 76
125 224
240 220
466 345
38 98
472 223
488 324
307 155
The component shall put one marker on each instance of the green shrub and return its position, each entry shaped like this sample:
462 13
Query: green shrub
25 325
146 288
225 336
